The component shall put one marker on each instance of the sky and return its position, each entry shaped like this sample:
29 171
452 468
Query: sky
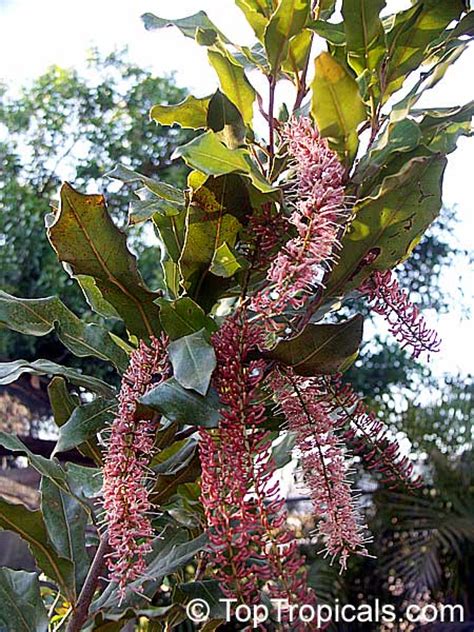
37 33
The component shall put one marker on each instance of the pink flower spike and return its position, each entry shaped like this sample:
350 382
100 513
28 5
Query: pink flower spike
130 448
324 466
404 319
319 214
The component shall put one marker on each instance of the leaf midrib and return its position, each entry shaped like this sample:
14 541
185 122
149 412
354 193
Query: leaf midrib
112 279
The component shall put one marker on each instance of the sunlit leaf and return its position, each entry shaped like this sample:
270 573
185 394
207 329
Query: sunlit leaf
337 105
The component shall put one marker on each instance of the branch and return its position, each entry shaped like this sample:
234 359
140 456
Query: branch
81 609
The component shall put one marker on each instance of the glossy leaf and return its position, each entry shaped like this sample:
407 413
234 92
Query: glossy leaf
11 371
41 316
188 25
233 81
207 154
409 35
287 21
171 551
84 482
299 49
83 235
84 423
183 317
365 39
256 14
225 119
48 468
225 262
337 105
190 113
21 606
210 591
63 405
333 33
390 222
321 349
62 402
29 525
179 404
193 360
203 236
66 519
94 297
441 129
182 467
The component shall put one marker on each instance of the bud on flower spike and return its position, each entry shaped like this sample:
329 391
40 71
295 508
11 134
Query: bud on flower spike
404 319
319 214
126 503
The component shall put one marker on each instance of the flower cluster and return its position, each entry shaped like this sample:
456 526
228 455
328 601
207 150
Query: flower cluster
245 514
324 463
130 447
318 216
366 433
405 321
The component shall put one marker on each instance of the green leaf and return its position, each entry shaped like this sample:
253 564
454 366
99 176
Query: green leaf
333 33
62 402
193 360
30 527
83 235
225 262
225 119
41 316
321 349
298 51
207 154
390 221
94 297
288 20
365 39
256 14
66 519
171 551
84 482
21 606
337 106
160 189
188 25
190 113
63 405
233 81
179 404
326 8
48 468
410 32
84 423
203 236
209 590
181 467
441 129
183 317
399 137
11 371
